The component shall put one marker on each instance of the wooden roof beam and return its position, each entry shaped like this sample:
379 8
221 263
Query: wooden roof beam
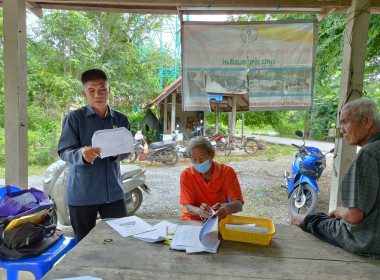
35 9
278 4
112 8
324 14
198 6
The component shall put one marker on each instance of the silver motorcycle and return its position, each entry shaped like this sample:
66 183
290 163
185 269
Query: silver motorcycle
55 186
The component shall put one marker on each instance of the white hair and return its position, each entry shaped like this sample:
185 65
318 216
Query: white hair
362 107
199 141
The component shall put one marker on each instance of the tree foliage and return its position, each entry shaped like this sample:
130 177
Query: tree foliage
66 43
327 74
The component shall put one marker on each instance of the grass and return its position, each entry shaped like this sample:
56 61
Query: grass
33 170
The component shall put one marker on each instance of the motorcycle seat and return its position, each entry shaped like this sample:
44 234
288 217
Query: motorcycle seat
128 171
162 144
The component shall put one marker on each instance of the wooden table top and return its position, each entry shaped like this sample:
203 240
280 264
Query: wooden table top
292 254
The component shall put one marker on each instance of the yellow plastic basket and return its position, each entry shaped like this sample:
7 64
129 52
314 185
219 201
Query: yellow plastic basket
247 236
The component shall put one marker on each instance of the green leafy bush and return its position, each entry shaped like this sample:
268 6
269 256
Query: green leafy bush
42 136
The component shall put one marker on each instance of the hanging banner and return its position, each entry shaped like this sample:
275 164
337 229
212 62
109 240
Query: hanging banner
272 61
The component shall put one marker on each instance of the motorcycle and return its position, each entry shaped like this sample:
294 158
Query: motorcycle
55 186
164 151
197 130
180 148
218 141
302 187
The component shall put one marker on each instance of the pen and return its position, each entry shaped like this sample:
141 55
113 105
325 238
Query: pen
93 152
167 230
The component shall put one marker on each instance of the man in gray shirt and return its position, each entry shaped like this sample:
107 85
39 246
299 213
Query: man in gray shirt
355 226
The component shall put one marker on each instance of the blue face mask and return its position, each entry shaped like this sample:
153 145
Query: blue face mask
202 167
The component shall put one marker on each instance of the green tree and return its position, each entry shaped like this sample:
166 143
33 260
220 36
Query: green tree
327 72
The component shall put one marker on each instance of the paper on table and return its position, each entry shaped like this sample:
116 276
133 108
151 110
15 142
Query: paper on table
252 228
113 141
130 225
209 233
159 232
197 238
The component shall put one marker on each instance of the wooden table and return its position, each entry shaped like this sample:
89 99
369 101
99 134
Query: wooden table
292 254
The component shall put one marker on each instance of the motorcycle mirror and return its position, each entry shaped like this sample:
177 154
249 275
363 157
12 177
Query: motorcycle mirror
299 133
332 150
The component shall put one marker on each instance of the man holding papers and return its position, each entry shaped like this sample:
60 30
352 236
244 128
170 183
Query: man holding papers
94 184
208 185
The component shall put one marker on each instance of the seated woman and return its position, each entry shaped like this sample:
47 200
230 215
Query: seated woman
208 185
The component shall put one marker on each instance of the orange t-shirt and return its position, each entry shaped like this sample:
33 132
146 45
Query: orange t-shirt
194 190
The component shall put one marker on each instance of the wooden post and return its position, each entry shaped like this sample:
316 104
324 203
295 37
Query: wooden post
172 122
15 94
217 118
165 126
351 85
233 123
204 122
158 110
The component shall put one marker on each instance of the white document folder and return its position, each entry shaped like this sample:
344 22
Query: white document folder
113 141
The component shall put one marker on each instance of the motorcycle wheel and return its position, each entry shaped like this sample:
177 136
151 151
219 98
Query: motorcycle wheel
251 146
135 198
228 148
132 157
304 204
169 157
220 145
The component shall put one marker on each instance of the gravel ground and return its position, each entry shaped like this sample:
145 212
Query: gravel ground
260 181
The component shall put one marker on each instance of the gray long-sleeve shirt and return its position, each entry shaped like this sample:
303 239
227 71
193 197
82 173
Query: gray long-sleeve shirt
97 183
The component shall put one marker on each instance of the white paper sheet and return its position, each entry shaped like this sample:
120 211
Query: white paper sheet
113 141
209 233
195 239
130 225
252 228
159 232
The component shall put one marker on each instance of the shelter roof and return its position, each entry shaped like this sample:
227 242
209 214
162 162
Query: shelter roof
242 103
167 91
321 7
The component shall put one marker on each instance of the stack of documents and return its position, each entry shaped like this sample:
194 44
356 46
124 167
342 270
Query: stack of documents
162 231
130 225
192 239
195 239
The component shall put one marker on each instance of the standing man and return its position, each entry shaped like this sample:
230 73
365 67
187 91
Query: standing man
94 184
355 226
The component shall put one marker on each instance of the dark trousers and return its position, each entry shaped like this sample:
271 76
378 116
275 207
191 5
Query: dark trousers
83 218
318 224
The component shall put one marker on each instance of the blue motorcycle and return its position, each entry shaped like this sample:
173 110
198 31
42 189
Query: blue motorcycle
302 186
197 130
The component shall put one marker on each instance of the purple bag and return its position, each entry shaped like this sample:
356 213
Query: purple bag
22 203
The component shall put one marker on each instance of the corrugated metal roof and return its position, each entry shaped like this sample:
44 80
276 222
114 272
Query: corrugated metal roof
168 90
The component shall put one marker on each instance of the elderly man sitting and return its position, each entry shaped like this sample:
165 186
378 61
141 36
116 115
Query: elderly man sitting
355 226
208 185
